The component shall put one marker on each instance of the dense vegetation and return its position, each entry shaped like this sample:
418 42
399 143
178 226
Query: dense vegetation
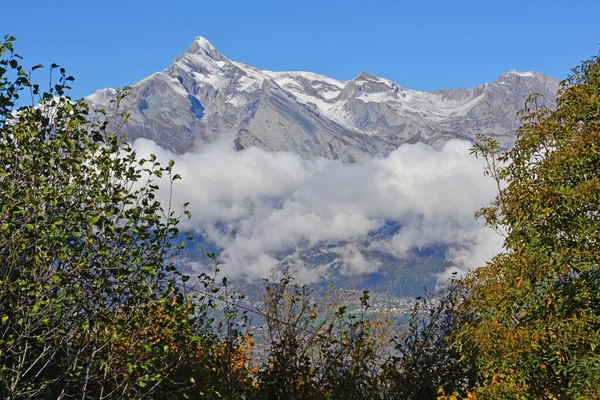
538 304
92 305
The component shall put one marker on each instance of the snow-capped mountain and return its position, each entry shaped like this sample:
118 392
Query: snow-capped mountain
203 95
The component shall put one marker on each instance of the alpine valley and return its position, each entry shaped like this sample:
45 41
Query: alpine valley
204 97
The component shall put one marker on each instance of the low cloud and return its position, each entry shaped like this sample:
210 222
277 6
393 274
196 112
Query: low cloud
263 208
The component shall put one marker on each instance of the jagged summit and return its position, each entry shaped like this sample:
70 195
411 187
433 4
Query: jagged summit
366 76
202 46
203 95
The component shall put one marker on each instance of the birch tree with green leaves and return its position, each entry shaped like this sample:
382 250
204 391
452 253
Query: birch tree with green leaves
86 251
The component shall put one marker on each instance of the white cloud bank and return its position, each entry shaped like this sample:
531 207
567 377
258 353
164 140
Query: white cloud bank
260 208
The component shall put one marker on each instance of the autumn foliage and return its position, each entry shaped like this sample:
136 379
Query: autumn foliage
538 329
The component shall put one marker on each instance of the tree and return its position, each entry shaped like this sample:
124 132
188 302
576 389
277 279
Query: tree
538 302
87 280
425 359
320 351
219 365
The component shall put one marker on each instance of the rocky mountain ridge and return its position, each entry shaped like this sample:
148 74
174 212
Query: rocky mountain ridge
203 96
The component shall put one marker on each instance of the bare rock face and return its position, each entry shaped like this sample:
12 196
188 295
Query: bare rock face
203 96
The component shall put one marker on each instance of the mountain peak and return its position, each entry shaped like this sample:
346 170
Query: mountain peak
203 47
366 76
520 73
205 96
512 74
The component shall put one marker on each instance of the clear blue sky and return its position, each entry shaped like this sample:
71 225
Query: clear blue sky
420 44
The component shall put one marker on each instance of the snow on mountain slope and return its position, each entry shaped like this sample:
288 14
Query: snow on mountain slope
203 96
263 206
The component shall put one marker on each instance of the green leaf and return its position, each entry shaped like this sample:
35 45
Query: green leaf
229 315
